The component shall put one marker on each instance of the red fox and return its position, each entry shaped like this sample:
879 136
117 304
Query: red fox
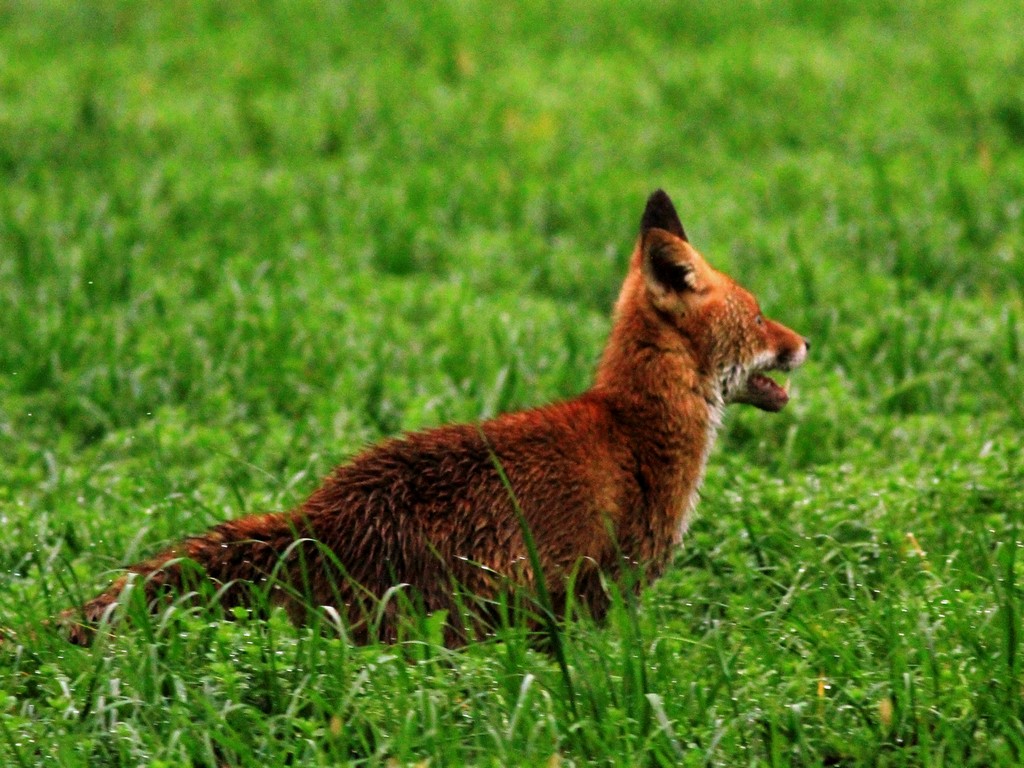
607 478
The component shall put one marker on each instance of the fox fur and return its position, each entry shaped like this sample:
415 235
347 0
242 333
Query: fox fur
607 478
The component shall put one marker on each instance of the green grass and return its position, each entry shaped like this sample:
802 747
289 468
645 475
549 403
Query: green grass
238 244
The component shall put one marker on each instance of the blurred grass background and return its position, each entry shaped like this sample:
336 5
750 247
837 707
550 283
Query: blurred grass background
240 241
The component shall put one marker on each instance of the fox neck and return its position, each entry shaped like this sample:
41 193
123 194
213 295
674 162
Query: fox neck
648 362
670 406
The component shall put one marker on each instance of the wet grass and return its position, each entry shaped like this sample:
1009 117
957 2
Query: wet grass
235 247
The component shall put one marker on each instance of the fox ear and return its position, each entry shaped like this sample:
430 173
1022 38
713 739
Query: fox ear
661 214
668 268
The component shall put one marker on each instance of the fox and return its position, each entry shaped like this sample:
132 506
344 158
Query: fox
608 478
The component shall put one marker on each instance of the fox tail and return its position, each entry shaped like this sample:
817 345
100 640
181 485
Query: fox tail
234 558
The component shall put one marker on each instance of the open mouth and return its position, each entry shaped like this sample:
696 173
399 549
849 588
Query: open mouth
764 393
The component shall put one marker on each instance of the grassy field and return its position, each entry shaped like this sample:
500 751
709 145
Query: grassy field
237 244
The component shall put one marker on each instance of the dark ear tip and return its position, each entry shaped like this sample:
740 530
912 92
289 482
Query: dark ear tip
659 197
660 213
659 207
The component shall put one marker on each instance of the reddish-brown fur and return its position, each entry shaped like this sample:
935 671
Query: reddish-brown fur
606 478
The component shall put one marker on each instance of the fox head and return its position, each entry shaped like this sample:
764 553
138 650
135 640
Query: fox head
675 302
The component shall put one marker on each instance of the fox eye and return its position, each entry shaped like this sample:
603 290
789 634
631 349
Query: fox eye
759 319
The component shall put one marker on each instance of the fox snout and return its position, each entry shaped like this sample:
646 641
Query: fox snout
792 347
786 350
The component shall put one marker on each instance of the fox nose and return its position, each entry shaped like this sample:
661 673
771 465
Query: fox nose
807 343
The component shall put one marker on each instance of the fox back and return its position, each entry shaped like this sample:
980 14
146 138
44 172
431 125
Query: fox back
605 479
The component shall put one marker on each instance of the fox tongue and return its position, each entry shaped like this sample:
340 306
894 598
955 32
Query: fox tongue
763 393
